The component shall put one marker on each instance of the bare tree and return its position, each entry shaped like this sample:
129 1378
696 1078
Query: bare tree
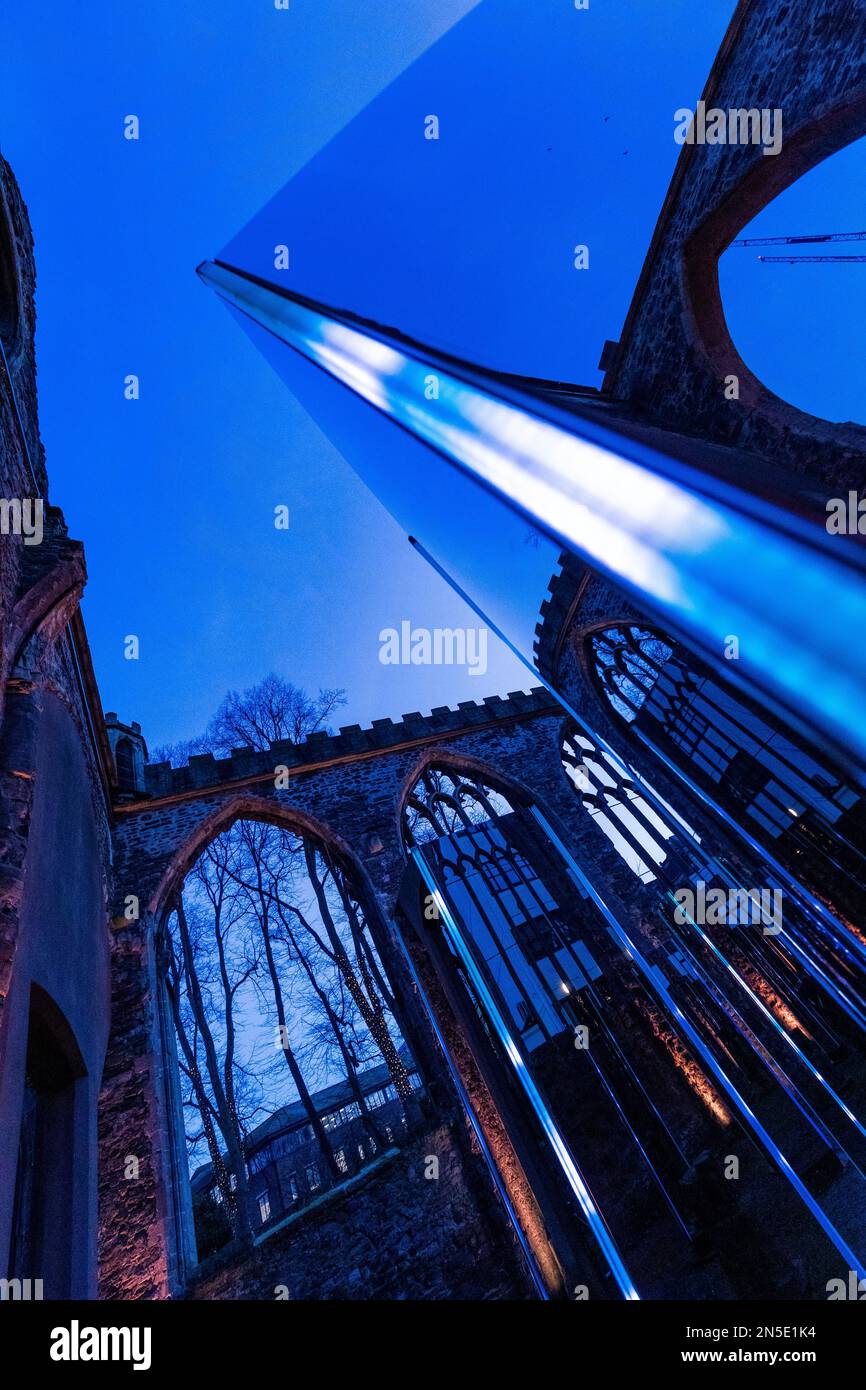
340 1028
267 914
272 710
204 977
197 1099
264 714
358 975
362 976
253 838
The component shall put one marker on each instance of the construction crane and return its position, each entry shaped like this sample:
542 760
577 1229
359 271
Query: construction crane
799 240
811 240
811 260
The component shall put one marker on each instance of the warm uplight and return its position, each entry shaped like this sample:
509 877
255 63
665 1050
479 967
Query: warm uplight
685 1064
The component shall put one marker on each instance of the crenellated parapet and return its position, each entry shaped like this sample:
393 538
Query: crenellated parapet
204 770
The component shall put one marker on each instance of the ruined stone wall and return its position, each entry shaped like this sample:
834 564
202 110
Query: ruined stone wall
809 61
389 1233
19 332
54 810
348 789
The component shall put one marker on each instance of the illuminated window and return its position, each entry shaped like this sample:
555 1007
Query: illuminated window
314 1181
609 795
342 1164
293 1186
444 802
787 794
264 1201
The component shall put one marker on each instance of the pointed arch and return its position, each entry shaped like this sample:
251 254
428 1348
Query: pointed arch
265 810
610 796
257 929
827 131
466 766
43 611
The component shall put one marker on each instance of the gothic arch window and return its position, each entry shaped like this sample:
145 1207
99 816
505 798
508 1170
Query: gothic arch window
627 661
289 1036
444 801
789 796
611 798
501 879
476 835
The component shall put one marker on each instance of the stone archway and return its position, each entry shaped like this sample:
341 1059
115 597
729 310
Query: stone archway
675 350
705 323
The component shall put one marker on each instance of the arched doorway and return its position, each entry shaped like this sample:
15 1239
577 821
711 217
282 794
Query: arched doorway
50 1155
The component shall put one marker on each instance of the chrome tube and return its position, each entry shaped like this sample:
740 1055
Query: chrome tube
706 559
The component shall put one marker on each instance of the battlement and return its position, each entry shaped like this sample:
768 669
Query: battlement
206 770
556 611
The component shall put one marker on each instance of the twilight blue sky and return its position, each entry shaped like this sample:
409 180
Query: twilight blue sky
556 129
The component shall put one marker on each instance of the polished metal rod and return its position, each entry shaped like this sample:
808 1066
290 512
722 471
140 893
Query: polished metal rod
709 561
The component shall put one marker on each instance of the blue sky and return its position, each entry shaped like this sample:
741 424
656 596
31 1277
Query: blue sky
800 327
556 128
